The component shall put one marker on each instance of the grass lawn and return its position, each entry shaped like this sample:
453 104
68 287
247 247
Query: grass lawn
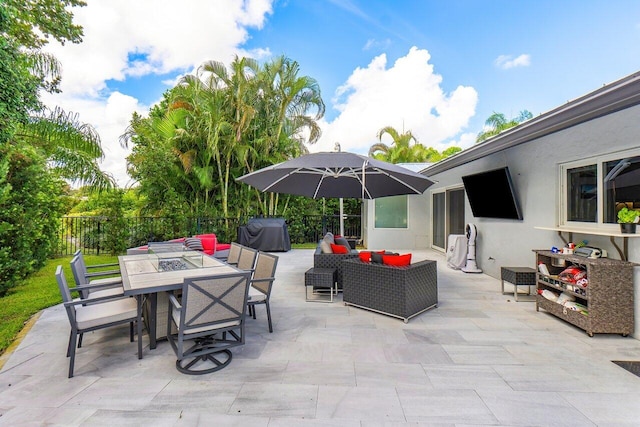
37 292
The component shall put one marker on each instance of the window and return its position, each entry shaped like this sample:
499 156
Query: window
594 190
391 212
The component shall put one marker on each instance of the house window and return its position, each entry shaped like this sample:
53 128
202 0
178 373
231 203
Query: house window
391 212
594 190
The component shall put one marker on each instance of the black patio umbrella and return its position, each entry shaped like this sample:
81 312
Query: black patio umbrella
337 174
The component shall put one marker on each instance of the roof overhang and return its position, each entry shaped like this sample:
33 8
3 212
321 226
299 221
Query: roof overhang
610 98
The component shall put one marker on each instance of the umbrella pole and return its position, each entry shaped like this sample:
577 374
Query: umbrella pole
341 218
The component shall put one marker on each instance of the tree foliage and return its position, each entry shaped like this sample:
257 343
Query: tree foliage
37 147
401 149
497 122
217 125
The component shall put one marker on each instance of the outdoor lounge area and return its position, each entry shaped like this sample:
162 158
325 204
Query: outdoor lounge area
479 358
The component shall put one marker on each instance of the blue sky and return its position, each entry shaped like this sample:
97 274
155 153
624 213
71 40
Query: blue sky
437 68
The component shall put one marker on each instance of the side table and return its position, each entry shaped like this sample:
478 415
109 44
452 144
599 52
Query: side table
518 276
320 280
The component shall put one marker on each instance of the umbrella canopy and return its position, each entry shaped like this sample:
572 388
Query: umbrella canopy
337 174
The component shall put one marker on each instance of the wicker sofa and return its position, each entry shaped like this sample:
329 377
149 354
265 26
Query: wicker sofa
402 292
333 261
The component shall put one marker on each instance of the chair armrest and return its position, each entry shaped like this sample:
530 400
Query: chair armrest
113 264
264 279
174 301
95 287
91 301
102 273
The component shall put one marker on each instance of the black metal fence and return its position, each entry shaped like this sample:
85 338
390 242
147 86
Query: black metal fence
89 233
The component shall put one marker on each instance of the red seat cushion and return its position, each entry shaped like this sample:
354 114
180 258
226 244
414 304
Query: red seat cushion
223 246
339 249
397 260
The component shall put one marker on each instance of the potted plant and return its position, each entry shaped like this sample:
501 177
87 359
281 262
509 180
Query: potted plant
628 218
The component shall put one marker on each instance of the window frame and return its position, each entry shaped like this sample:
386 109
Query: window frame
599 162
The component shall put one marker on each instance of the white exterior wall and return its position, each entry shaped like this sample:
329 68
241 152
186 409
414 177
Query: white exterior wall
534 168
415 236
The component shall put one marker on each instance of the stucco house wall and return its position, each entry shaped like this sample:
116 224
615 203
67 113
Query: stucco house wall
603 122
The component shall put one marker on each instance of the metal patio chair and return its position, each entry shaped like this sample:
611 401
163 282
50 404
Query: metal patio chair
261 284
91 314
209 320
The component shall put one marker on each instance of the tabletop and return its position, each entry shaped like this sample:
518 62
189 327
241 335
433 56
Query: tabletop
141 274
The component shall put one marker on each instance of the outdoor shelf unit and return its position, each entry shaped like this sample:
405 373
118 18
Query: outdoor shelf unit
608 295
623 252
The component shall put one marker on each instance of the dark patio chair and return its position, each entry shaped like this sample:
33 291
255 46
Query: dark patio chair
209 320
261 284
91 314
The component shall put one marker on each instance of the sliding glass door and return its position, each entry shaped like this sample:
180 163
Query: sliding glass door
447 216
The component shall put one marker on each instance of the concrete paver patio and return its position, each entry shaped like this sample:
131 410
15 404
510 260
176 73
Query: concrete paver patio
478 359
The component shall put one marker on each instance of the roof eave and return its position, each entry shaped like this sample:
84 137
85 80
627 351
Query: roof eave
621 94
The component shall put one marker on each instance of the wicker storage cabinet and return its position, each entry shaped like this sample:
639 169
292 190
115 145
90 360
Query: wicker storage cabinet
608 295
402 292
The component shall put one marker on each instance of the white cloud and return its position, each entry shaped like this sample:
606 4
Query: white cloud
507 61
406 96
124 38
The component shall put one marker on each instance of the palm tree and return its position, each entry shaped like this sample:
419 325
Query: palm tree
498 123
402 151
71 147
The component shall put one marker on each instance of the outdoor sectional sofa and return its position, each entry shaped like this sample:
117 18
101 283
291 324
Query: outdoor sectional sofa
402 292
333 261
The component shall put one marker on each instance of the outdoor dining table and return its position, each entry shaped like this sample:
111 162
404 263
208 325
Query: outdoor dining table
145 275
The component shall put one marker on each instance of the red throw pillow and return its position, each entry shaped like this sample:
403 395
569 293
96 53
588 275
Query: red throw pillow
208 244
339 249
365 256
396 260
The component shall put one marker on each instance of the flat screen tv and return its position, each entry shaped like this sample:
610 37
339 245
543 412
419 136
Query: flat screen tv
491 194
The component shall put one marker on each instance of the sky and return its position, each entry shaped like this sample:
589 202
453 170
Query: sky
436 68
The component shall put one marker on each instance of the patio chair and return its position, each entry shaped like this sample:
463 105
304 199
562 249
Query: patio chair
247 259
107 286
98 270
209 320
91 314
261 283
234 253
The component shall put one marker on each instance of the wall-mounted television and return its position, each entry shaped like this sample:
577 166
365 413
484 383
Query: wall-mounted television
491 194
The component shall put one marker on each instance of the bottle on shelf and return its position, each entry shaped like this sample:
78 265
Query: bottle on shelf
542 268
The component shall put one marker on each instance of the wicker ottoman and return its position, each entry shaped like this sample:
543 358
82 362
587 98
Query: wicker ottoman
320 280
518 276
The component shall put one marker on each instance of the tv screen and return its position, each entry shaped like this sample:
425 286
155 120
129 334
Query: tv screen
491 194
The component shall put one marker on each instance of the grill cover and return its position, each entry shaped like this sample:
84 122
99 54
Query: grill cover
265 234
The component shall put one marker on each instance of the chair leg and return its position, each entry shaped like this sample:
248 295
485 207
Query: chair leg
253 309
71 345
80 340
269 316
139 326
130 331
72 353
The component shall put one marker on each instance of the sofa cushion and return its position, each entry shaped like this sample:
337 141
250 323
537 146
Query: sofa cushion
193 243
396 260
365 256
329 238
376 257
339 249
325 247
342 241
